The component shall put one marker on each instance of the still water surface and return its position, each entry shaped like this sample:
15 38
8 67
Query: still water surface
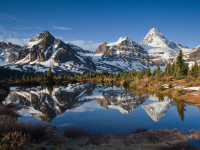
102 108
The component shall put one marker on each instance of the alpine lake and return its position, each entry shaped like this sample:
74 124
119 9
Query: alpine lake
101 108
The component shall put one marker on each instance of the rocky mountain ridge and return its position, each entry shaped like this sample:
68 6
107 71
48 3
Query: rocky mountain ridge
45 50
124 54
8 53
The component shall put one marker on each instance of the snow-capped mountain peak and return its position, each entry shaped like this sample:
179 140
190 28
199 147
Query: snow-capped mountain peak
155 32
45 36
159 48
154 38
121 39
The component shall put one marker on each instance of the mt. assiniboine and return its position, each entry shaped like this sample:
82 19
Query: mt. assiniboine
45 50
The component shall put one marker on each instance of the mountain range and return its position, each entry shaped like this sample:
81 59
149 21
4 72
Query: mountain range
45 50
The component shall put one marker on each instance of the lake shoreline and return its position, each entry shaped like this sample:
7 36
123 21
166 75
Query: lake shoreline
182 94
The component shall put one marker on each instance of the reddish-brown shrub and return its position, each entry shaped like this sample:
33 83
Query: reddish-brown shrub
9 112
139 130
76 131
14 141
166 131
35 131
180 147
152 136
99 139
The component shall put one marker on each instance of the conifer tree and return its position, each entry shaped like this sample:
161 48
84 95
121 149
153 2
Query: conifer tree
102 78
24 77
44 78
28 78
69 76
110 76
158 70
181 63
50 75
125 73
167 70
12 78
148 72
133 73
55 77
178 72
154 72
139 75
195 69
119 74
172 69
143 72
88 75
65 78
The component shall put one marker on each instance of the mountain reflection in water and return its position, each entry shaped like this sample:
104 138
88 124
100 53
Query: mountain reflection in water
45 103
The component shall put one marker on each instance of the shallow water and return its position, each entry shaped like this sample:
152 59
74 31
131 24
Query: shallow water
102 108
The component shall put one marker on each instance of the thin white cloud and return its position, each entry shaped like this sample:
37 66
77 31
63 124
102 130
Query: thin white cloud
58 37
1 38
87 45
18 41
26 28
62 28
2 29
8 17
37 27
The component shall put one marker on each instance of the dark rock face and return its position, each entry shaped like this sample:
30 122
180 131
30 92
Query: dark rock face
66 54
22 54
3 45
33 53
194 56
101 49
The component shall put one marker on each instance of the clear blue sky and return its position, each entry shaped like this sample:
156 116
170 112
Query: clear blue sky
88 23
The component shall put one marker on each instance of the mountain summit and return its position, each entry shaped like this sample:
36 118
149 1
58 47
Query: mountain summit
153 38
156 39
